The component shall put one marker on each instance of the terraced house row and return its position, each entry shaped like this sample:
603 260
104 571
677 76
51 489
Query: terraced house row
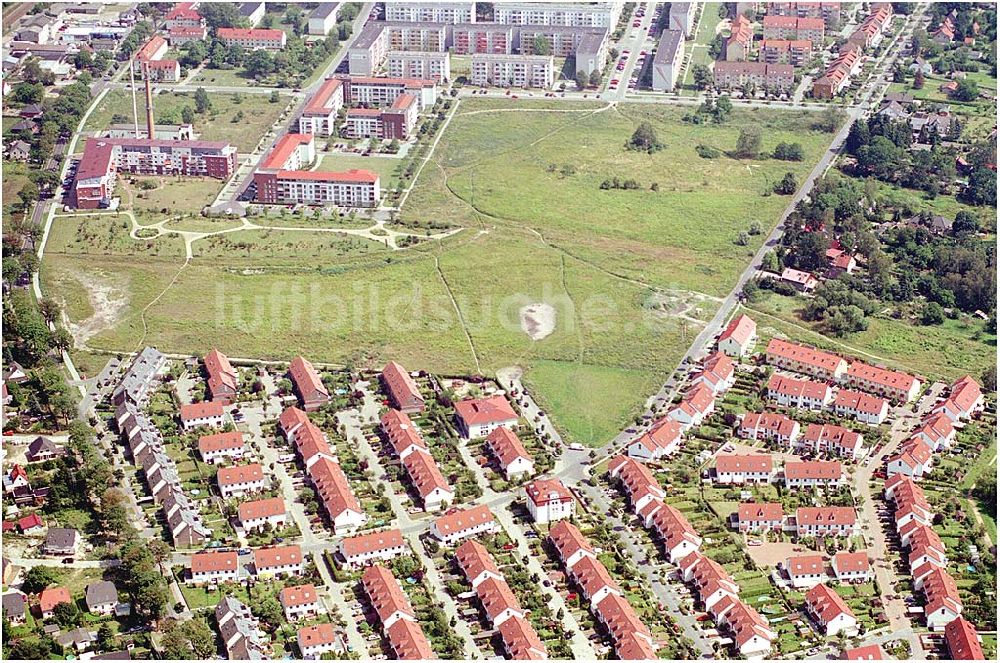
396 615
411 449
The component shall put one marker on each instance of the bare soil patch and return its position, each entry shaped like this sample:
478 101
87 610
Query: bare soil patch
538 320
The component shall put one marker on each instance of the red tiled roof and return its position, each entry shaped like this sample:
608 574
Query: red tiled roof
506 446
268 34
766 511
804 354
832 435
305 377
51 597
965 392
229 476
267 558
567 539
278 158
851 562
375 541
183 10
292 417
743 463
464 519
424 473
408 641
783 45
402 387
796 388
520 639
662 435
201 410
496 597
220 442
384 593
213 562
592 576
490 410
333 488
859 401
473 558
805 565
867 653
318 102
163 64
769 421
320 634
401 431
963 641
272 506
741 329
825 515
826 603
155 43
220 372
542 491
186 31
291 597
813 469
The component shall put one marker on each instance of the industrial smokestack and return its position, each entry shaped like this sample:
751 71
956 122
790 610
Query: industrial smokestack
135 104
149 102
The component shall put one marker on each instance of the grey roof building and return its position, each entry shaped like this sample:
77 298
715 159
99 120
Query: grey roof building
14 607
102 596
139 377
61 541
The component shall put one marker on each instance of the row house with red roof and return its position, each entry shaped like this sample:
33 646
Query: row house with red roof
178 36
402 390
943 601
513 458
738 469
839 72
830 612
800 394
334 491
837 521
697 404
464 523
865 408
213 568
241 480
278 561
320 113
962 640
316 640
300 602
806 360
257 514
739 336
308 439
806 571
759 517
769 426
631 638
718 373
740 40
894 385
914 459
813 474
478 417
220 447
965 400
851 567
362 549
397 617
223 380
549 500
409 445
308 385
831 439
206 413
661 440
795 52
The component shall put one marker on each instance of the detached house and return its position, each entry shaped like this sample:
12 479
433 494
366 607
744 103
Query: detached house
851 566
739 336
61 542
697 404
50 597
937 431
964 400
718 373
830 612
102 597
478 417
806 571
316 640
741 469
549 500
42 449
913 460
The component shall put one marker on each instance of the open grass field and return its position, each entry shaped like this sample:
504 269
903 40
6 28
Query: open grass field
106 235
15 176
947 351
631 275
387 168
216 124
178 195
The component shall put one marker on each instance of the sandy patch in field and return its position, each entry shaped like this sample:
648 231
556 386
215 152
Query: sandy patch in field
538 320
108 301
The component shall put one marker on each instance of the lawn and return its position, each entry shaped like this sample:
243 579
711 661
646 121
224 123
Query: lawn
978 117
219 123
699 47
387 168
631 275
945 352
106 234
179 195
15 176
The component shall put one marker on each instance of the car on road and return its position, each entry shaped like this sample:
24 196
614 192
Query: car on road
68 560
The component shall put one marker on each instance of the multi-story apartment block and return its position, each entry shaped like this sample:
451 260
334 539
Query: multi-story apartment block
352 188
763 76
788 27
591 14
528 71
828 11
682 17
431 12
493 38
381 91
103 158
549 500
320 114
417 37
668 60
737 48
368 52
324 18
783 51
419 64
253 39
396 121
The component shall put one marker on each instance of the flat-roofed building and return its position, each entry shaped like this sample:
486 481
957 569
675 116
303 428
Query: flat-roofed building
323 19
527 71
419 64
493 38
431 12
668 60
590 14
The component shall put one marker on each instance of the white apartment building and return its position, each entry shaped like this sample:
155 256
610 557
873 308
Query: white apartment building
527 71
590 14
419 64
431 12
